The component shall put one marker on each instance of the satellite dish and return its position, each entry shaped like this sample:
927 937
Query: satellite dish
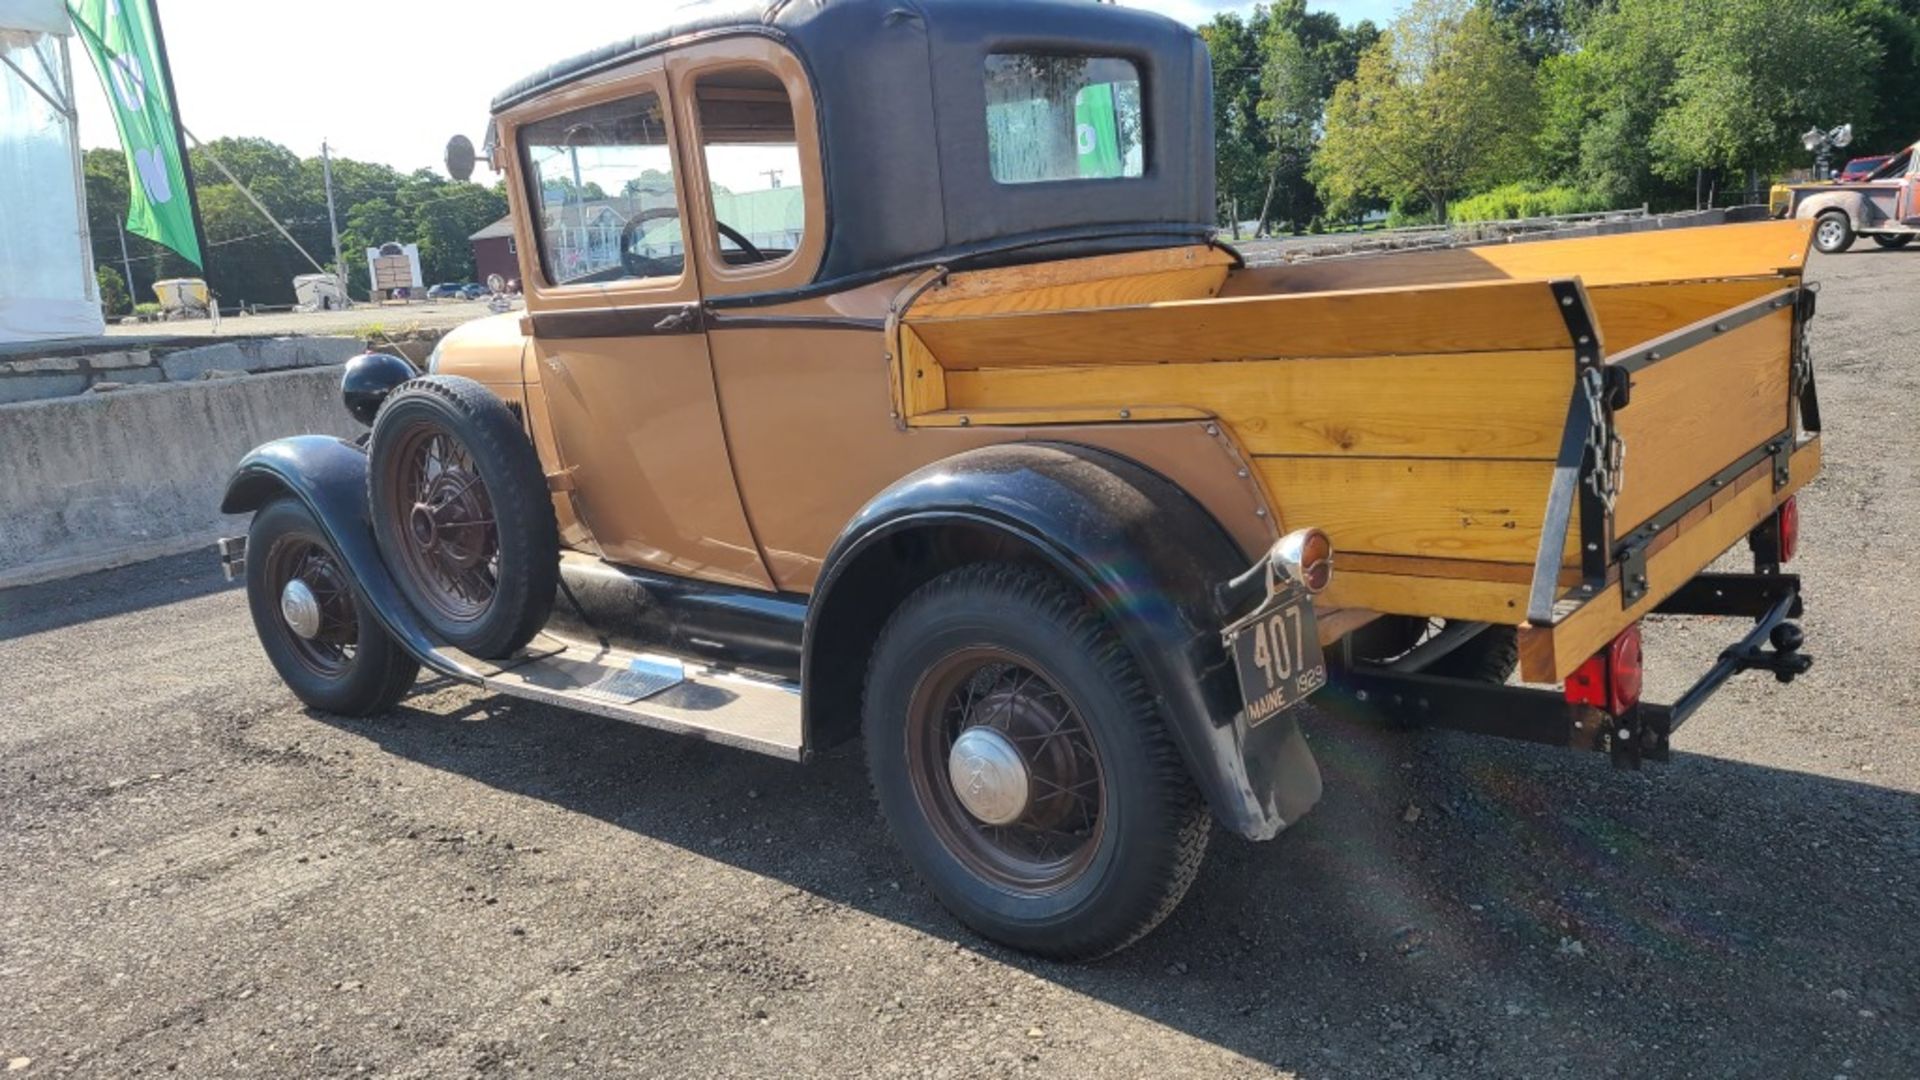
1843 136
460 158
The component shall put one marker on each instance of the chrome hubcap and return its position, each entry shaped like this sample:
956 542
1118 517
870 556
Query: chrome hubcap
989 776
1830 234
301 609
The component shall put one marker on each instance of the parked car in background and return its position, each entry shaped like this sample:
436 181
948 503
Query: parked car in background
1885 205
446 290
473 291
1860 168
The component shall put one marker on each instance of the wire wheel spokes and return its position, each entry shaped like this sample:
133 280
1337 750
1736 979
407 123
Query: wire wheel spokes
1058 832
330 652
450 534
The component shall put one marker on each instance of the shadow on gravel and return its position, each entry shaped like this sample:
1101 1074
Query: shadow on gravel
1454 906
55 605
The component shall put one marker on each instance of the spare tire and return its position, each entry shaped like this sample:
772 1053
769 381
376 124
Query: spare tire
461 512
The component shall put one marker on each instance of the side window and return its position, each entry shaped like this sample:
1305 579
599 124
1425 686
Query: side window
1064 118
753 164
602 180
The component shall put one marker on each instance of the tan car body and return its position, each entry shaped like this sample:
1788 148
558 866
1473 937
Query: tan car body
1417 421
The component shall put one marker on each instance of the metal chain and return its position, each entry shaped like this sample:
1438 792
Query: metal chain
1803 360
1609 452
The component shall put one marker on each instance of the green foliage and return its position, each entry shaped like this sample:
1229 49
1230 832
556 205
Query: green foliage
146 311
1273 73
1513 202
1752 77
1443 104
114 300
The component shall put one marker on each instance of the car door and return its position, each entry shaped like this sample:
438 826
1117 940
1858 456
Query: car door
614 307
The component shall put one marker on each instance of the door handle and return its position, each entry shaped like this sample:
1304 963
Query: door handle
679 322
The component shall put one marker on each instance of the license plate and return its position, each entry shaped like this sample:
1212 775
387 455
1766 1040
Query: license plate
1277 651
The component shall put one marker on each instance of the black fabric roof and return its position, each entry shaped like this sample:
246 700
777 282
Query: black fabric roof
901 96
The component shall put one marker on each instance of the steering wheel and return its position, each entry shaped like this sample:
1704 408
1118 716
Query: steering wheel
642 266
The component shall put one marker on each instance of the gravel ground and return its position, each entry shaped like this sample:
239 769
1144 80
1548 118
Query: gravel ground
197 876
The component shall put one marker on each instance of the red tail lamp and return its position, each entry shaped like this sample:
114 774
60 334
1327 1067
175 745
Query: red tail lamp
1610 679
1788 522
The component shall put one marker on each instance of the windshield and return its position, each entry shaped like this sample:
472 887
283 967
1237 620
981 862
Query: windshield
1895 167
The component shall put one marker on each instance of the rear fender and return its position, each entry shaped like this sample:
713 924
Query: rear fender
1858 208
1145 554
329 476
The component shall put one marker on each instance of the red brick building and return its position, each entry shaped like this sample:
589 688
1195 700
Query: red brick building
496 252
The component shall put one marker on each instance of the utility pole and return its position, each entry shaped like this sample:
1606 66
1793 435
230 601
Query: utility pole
132 296
333 223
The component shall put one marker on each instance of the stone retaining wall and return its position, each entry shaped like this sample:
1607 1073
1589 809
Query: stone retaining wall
59 376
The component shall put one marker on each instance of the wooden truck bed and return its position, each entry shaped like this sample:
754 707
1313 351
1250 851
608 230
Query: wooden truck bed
1423 408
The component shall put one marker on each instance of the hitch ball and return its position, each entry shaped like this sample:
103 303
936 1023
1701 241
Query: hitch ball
1788 638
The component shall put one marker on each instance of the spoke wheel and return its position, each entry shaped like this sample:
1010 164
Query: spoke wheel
1052 840
329 652
1022 764
322 637
459 504
451 540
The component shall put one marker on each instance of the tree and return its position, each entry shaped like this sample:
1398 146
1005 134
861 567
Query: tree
114 298
1754 76
1240 138
1543 28
1442 105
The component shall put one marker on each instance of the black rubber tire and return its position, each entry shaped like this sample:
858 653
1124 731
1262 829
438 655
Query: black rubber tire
1155 821
1843 234
1491 657
529 538
1893 243
380 672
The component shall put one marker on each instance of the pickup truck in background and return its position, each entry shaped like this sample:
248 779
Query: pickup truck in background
1884 205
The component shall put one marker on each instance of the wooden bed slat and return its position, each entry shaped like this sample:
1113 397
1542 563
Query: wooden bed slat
1506 316
1491 511
1481 405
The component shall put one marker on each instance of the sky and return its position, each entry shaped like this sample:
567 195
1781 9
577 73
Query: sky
392 80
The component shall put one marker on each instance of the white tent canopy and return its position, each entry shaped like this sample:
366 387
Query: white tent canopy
47 289
37 16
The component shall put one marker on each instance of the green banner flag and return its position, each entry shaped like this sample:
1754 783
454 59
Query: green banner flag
124 41
1097 132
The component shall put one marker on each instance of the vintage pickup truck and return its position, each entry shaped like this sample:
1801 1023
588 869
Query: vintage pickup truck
1884 206
913 399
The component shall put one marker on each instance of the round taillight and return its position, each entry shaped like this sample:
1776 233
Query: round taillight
1305 557
1624 670
1789 525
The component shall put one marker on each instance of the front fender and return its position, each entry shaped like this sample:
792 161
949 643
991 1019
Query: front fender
1145 553
329 476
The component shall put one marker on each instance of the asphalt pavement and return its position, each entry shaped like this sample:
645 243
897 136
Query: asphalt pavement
199 878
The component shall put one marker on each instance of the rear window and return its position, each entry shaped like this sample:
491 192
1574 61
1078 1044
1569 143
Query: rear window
1052 118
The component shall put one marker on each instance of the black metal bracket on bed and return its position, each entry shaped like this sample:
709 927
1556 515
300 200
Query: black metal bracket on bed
1585 480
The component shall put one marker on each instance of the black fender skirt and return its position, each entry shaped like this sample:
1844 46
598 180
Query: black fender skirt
1148 555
